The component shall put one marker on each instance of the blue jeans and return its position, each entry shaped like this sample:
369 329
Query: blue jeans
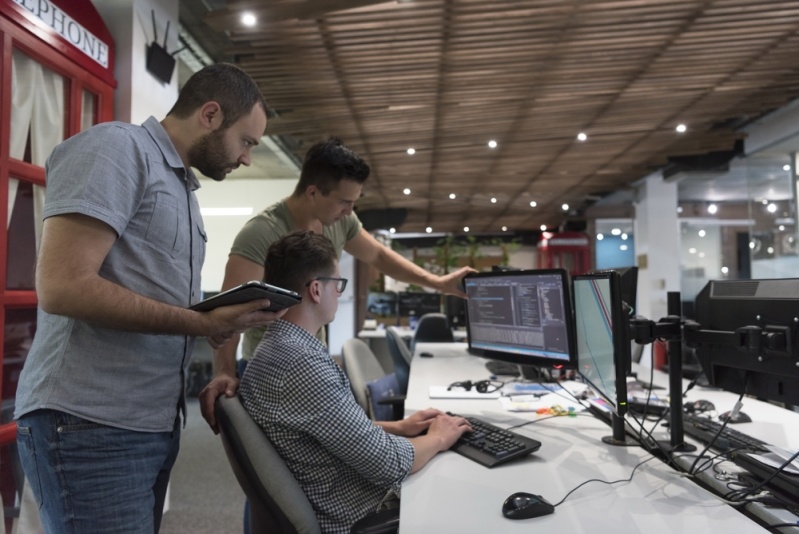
92 478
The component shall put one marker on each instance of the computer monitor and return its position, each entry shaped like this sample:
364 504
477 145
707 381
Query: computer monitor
628 287
381 304
602 336
417 303
455 308
746 338
521 317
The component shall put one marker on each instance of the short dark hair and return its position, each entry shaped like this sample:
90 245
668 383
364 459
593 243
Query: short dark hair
233 89
298 257
327 163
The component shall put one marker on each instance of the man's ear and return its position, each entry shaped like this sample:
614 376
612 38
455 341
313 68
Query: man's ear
315 291
311 191
211 116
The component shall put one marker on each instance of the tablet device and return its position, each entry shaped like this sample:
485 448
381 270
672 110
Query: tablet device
279 298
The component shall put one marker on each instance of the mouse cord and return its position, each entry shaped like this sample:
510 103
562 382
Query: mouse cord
712 441
628 479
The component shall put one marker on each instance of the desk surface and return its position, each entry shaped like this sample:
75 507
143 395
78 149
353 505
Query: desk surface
404 331
453 493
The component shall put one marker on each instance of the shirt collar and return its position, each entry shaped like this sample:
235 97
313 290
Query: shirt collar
167 147
285 328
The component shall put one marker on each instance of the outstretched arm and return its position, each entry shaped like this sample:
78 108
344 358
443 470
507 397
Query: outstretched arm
366 248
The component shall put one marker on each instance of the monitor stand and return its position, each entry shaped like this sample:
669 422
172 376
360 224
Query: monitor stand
619 437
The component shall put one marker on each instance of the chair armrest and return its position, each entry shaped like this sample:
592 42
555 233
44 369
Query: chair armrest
397 404
382 522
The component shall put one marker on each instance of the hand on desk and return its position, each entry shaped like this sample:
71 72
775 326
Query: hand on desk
442 432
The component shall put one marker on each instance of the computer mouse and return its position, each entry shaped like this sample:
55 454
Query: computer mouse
740 418
426 354
699 406
523 505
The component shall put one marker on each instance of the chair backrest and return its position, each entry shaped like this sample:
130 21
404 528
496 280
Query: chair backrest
401 355
362 367
277 502
432 327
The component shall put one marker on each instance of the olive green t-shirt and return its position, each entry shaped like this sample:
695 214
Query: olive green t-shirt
255 238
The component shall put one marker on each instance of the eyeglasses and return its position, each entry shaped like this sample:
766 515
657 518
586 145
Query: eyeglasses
483 386
341 283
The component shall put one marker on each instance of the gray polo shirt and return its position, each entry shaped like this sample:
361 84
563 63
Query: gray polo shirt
131 178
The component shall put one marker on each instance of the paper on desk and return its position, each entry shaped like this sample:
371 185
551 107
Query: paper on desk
533 403
441 392
776 458
536 388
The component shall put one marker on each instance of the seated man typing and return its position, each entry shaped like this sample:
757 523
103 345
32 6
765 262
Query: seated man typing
346 464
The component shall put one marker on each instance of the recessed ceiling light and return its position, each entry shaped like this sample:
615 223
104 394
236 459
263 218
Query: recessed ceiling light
692 250
248 19
504 228
786 167
681 128
725 270
624 237
452 196
623 247
712 209
543 227
493 200
533 203
428 230
616 231
764 202
392 230
411 151
772 208
565 207
492 144
406 191
581 136
465 228
600 237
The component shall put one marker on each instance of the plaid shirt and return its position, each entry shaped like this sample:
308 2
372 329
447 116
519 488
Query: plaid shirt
345 464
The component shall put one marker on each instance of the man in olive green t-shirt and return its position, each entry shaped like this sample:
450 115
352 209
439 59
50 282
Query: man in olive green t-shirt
331 180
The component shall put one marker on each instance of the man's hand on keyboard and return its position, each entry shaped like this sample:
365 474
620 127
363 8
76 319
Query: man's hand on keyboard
418 422
449 428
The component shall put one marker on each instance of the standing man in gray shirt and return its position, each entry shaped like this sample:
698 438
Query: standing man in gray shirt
123 244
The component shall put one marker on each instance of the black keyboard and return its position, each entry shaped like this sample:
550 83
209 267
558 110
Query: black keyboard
705 429
491 445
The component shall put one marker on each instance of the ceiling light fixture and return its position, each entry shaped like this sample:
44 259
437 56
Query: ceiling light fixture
492 144
615 231
600 237
786 167
452 196
504 228
543 227
533 203
411 151
406 191
392 230
702 233
712 209
772 208
581 136
429 230
493 200
465 228
681 128
565 207
248 19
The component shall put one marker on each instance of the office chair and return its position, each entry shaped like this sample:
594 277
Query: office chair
370 384
277 502
432 327
401 356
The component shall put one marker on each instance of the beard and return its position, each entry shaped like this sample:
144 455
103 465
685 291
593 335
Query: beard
208 155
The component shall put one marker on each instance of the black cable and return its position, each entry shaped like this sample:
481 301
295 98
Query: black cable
628 479
715 437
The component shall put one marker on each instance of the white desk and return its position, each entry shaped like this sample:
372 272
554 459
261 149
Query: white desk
376 339
454 494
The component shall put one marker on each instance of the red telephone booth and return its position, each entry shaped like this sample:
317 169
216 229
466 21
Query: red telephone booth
56 79
566 250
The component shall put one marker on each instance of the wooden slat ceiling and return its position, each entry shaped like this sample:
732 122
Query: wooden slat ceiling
447 76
